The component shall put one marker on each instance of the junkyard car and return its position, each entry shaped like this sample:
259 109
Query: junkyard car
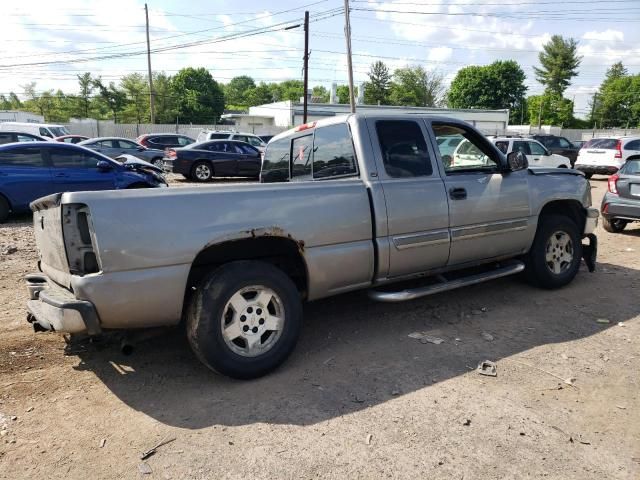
355 202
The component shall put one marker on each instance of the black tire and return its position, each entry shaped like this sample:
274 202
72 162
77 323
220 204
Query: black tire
588 175
138 185
198 171
614 225
5 209
562 166
209 309
538 271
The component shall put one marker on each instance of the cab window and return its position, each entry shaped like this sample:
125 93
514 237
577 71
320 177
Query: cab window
404 149
275 166
301 149
471 154
333 154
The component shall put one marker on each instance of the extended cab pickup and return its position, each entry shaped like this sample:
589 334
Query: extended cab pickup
352 202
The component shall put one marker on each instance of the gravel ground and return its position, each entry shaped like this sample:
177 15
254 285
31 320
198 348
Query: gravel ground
358 399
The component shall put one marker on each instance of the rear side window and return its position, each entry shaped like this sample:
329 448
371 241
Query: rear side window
245 149
564 143
333 152
522 147
502 146
45 133
404 150
72 158
632 167
255 141
184 141
218 136
22 157
275 166
25 138
301 164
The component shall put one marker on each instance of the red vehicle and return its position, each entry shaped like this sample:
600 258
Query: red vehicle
71 138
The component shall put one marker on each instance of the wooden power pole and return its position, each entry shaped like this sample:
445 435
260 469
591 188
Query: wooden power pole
347 34
152 107
306 66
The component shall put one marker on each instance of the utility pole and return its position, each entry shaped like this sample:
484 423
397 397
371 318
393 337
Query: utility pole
347 34
152 106
306 65
522 111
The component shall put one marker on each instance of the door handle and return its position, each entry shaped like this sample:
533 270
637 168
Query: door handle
536 159
457 193
60 175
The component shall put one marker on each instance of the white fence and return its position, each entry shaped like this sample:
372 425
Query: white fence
98 128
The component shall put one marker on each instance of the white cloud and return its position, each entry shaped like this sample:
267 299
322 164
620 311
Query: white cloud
608 35
439 54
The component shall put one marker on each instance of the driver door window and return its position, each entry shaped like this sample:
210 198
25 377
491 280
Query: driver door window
537 149
45 133
468 154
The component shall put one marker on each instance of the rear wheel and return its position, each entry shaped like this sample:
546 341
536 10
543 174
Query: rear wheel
202 171
244 319
614 225
588 175
554 258
4 209
157 162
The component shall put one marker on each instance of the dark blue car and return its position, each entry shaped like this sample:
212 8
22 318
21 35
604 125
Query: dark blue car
35 169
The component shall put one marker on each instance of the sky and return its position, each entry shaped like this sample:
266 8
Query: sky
51 44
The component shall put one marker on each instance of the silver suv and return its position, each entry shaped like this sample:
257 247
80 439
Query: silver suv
249 138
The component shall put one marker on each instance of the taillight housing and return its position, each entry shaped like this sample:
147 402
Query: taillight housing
612 183
618 150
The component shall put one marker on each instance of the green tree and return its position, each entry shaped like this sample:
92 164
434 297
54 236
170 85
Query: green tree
291 90
377 90
136 89
555 110
342 92
14 101
321 93
114 99
414 86
87 86
559 62
618 102
199 98
259 95
164 100
235 92
495 86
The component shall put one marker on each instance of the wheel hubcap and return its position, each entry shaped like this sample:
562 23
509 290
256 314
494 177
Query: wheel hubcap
158 163
559 252
252 321
202 172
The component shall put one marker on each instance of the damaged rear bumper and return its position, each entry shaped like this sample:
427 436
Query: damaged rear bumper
53 308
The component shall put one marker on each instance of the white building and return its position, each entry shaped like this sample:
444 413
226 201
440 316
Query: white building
17 116
287 114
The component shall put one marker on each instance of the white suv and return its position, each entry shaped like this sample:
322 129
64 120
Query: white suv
249 138
605 156
537 154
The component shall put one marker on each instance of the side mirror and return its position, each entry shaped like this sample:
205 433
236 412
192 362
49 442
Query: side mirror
103 165
517 161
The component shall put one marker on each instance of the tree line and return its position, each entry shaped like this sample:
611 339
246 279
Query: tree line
193 95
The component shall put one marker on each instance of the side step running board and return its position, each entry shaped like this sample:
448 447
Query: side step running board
506 269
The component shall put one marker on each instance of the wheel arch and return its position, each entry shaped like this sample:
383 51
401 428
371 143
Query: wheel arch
568 207
281 251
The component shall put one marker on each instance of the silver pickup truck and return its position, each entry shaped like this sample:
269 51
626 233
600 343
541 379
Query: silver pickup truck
352 202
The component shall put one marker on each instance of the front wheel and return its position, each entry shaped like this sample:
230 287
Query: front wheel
244 319
554 258
614 225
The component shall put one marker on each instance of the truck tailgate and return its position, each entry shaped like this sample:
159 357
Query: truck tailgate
47 226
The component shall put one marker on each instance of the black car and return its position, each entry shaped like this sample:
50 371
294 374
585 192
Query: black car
559 145
161 141
216 158
13 137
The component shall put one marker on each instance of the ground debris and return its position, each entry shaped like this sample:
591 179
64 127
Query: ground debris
144 468
488 368
424 337
103 442
9 249
603 320
368 439
487 336
153 449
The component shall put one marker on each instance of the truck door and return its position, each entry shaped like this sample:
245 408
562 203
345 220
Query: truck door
414 194
488 209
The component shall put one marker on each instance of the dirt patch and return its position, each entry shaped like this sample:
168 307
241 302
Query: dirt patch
359 398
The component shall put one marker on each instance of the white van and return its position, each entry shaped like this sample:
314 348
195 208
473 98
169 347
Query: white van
46 130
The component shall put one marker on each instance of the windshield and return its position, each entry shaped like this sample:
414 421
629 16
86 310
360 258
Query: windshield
59 131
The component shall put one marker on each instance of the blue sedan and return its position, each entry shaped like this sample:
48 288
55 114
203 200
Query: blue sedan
32 170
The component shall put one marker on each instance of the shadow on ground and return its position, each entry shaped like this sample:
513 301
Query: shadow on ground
355 353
